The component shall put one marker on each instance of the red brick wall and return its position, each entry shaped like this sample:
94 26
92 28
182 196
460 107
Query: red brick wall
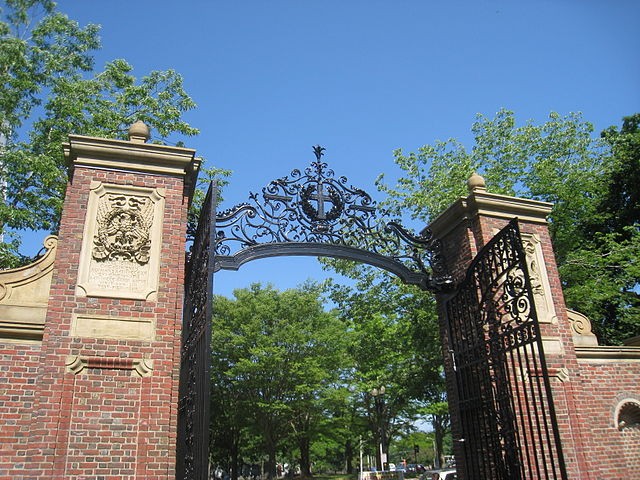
102 421
611 453
18 372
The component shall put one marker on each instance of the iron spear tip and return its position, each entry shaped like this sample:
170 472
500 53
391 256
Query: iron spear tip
319 151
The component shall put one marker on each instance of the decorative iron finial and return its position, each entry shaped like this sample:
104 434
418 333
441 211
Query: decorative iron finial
319 151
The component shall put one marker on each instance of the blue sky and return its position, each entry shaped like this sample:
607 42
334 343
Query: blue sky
362 78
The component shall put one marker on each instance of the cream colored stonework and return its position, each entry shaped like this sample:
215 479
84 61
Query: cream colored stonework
140 367
539 279
581 329
552 346
120 256
117 328
24 295
133 156
482 203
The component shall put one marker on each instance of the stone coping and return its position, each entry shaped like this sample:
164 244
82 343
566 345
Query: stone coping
131 156
608 354
481 202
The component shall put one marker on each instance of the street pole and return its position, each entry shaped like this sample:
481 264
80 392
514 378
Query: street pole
378 401
360 443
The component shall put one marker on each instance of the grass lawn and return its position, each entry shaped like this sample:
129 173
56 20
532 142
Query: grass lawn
335 477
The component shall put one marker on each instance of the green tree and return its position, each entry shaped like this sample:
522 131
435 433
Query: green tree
229 407
48 89
602 275
425 451
283 355
620 204
395 345
590 181
437 411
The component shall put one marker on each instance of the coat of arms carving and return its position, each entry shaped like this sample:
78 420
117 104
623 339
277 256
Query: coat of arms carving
124 224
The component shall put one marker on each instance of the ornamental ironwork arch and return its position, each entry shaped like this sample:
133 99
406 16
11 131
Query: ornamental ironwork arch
315 213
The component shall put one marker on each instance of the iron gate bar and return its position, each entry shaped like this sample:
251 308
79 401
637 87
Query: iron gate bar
313 213
192 462
505 401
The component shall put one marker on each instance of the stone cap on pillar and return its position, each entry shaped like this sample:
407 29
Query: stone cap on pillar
133 155
481 202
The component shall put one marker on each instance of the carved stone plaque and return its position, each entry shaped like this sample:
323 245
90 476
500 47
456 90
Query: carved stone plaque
119 328
120 254
539 279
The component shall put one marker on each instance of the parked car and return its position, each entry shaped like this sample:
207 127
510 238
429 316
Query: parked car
448 474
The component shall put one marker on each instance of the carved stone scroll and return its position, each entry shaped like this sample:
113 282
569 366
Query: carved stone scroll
581 330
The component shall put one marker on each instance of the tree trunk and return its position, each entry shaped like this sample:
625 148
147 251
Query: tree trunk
438 432
235 443
304 444
271 463
348 453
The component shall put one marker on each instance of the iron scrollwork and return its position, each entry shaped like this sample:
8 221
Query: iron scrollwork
317 211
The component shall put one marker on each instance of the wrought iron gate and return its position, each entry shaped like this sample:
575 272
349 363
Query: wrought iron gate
193 404
504 398
307 213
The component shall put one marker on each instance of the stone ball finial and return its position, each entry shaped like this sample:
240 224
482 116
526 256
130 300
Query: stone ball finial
139 132
476 182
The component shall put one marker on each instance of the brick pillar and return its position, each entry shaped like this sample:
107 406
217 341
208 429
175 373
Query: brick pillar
107 384
465 228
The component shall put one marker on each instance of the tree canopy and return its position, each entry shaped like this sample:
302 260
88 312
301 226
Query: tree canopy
49 88
279 358
395 345
601 274
297 382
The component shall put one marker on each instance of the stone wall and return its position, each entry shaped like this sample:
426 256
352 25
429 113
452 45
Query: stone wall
24 294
